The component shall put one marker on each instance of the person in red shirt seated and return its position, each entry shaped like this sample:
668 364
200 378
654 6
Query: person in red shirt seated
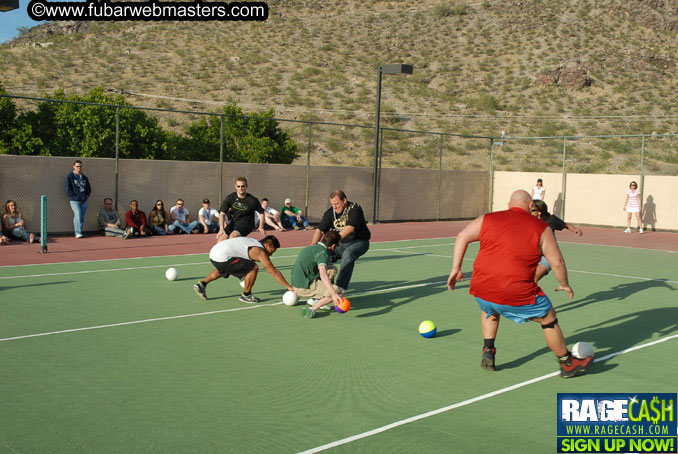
136 220
511 245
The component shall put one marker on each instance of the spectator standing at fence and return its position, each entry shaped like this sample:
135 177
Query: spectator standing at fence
110 223
348 219
293 217
632 205
539 191
158 220
511 244
136 220
541 210
78 190
181 218
209 218
241 207
14 225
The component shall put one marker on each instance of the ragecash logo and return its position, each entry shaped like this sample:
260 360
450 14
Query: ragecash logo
615 422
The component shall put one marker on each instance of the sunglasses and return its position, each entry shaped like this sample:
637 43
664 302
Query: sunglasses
240 186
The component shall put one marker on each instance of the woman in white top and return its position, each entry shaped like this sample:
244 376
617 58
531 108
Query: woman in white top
539 191
14 225
632 205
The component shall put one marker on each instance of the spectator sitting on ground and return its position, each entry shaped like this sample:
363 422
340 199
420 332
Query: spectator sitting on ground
209 218
181 218
136 220
13 224
110 223
271 216
158 218
293 217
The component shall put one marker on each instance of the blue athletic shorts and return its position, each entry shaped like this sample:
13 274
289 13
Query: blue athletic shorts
545 263
519 314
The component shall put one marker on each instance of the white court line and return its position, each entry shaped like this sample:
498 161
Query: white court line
172 317
464 403
66 273
200 253
569 270
136 322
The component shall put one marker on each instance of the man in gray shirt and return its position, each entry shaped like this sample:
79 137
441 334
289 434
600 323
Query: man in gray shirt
109 221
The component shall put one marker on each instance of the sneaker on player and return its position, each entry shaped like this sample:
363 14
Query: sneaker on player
640 231
487 360
627 231
308 312
574 366
250 299
200 290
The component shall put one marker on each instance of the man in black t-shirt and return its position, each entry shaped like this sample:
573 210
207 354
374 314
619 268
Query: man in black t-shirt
240 206
348 219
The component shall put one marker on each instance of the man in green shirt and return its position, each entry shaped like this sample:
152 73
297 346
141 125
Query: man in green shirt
312 274
293 217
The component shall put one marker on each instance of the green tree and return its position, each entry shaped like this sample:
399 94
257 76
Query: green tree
7 118
257 139
73 129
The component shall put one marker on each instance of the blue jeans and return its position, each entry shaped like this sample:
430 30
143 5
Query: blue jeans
291 221
21 234
160 229
186 227
79 210
347 254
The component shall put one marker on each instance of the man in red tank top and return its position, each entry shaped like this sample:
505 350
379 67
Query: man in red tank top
511 245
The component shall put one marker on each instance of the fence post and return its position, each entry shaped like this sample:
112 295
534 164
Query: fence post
308 167
490 183
117 157
642 171
564 183
381 155
440 177
221 158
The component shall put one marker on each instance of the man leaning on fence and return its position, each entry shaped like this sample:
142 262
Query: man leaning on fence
78 190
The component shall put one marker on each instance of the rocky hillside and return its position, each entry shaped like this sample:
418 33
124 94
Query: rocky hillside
529 68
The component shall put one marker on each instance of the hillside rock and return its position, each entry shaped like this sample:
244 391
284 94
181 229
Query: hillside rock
574 77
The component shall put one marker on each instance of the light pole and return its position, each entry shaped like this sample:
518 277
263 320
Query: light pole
386 69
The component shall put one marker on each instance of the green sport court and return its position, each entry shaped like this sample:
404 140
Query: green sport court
109 356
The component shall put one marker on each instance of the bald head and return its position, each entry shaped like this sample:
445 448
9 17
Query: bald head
520 199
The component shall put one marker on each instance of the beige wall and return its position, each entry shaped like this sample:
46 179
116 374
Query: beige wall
407 194
597 199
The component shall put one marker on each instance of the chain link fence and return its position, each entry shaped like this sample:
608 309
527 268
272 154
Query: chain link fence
417 175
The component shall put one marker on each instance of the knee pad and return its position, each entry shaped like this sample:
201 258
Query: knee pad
550 325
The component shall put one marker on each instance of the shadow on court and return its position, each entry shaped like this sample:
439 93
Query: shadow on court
617 293
614 335
393 297
12 287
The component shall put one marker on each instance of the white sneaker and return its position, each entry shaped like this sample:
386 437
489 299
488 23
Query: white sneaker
627 231
79 235
310 302
640 231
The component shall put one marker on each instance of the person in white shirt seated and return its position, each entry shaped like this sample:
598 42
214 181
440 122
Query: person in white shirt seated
272 216
208 217
181 218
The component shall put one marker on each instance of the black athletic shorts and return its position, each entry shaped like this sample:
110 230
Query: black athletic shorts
243 229
236 266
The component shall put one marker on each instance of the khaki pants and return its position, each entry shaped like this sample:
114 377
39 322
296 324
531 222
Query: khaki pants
317 289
